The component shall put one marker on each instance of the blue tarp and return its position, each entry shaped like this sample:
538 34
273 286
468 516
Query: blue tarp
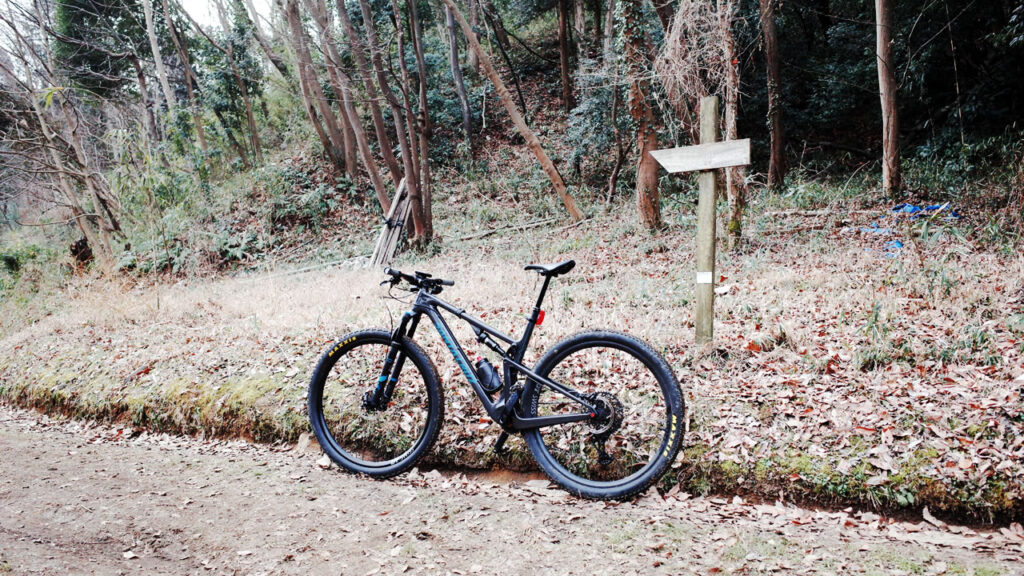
917 211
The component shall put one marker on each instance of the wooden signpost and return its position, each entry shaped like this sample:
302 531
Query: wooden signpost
705 158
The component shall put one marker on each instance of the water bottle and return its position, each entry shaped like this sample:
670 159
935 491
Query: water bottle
489 379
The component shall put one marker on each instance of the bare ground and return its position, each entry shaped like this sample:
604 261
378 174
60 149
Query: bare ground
81 498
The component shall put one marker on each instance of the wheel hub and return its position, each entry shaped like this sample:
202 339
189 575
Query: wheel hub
608 419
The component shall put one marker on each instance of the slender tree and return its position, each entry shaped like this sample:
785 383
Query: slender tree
565 55
887 89
411 126
358 51
460 85
506 99
735 177
311 84
609 32
777 158
231 32
579 20
275 59
343 85
158 60
191 83
637 48
402 134
423 122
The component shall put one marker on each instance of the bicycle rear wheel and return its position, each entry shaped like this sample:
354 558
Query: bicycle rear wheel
638 431
377 442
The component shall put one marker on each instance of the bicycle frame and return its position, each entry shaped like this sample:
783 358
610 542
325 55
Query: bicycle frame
499 411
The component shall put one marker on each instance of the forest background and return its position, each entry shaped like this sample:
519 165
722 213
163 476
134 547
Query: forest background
148 146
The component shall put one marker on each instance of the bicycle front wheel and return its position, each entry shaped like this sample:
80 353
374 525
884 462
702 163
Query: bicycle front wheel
638 429
377 441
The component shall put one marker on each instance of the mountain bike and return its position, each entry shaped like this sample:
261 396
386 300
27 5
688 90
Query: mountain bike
601 412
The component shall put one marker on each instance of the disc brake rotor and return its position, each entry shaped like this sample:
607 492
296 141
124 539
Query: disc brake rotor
609 415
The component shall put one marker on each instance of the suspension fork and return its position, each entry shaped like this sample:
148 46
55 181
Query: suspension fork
393 364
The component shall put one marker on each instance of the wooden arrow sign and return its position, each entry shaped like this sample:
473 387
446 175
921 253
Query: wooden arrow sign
704 156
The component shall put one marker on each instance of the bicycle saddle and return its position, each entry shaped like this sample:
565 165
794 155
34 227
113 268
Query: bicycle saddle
553 270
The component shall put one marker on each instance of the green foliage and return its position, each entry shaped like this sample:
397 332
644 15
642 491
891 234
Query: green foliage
96 41
228 79
15 259
957 63
591 131
524 11
299 201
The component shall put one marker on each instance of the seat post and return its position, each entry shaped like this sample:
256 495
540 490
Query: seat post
540 298
524 342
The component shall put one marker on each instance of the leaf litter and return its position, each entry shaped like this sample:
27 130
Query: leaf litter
841 373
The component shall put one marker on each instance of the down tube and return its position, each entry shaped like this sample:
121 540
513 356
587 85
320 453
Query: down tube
460 359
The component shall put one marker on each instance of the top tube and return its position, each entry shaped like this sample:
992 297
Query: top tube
427 299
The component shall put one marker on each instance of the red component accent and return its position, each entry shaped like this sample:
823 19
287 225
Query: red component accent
592 415
540 318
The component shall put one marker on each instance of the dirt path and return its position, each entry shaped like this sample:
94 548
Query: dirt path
83 499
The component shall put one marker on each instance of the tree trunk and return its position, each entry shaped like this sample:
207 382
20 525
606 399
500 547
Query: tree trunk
511 69
148 119
460 86
97 239
579 20
777 159
496 22
474 23
424 125
415 181
351 146
275 59
405 145
636 45
506 99
316 94
595 9
239 149
620 149
891 177
735 177
343 86
314 119
372 95
609 32
665 9
154 45
564 55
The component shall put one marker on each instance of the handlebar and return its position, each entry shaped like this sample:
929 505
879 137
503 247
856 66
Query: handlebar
421 280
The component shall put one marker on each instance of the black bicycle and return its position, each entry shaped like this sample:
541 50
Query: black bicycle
601 411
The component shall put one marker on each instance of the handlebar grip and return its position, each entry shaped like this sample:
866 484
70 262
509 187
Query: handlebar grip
447 282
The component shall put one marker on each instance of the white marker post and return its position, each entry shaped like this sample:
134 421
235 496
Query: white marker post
705 158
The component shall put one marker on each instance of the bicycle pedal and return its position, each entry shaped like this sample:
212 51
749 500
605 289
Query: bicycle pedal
499 446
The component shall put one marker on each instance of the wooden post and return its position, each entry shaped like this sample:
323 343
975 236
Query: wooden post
387 242
705 301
